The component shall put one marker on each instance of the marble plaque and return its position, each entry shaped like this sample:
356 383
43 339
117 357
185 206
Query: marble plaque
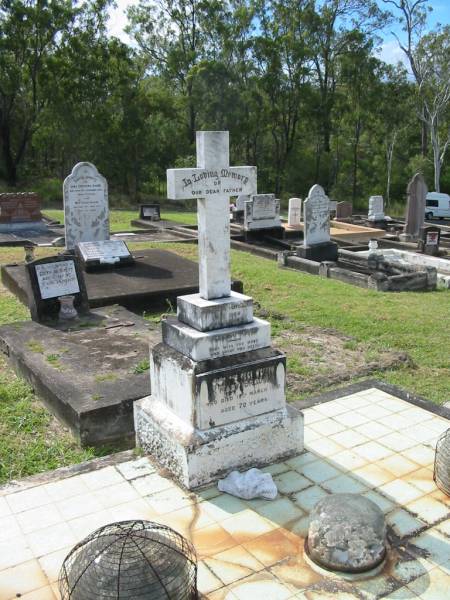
239 395
57 279
205 345
86 212
316 217
264 206
104 251
208 183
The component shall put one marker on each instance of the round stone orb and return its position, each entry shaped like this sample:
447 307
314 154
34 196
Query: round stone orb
347 532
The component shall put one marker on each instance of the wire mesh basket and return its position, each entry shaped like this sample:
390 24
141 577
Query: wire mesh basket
130 560
442 463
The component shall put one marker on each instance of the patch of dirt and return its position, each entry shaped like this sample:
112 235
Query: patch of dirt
319 358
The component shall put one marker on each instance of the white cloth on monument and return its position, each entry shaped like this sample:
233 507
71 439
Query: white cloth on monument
250 484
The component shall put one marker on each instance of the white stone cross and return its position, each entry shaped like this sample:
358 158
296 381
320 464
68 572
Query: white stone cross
213 182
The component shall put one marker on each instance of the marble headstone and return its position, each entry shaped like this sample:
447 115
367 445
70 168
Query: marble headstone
240 202
295 212
218 387
376 208
86 211
316 217
415 208
262 211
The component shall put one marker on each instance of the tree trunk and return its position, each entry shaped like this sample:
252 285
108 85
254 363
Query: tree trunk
389 157
8 160
355 158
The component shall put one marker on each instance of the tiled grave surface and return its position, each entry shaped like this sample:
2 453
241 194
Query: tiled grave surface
369 443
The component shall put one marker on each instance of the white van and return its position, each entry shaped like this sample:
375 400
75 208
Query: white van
437 206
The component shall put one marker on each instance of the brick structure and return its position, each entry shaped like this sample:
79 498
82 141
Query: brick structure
20 207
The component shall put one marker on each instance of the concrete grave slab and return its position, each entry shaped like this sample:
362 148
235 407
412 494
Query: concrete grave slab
88 374
155 275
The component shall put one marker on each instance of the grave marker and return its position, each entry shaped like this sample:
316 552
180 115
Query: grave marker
376 209
86 211
150 212
262 211
317 245
415 207
95 255
295 212
344 211
429 240
213 182
20 211
51 278
218 399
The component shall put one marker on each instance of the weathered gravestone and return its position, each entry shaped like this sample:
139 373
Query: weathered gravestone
317 245
150 212
50 279
86 211
107 253
415 208
294 212
262 211
376 209
20 211
344 211
218 399
429 239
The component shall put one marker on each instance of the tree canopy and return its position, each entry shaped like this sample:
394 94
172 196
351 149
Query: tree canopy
298 83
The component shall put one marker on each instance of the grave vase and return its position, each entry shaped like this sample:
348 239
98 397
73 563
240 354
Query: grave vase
67 310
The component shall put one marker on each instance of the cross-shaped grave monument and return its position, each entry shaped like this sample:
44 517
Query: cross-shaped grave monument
213 182
218 387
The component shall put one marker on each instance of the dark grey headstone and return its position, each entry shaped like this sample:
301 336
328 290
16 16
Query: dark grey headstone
50 278
344 211
429 240
150 212
415 208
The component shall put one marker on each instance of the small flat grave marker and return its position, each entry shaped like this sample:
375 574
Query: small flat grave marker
51 278
150 212
107 253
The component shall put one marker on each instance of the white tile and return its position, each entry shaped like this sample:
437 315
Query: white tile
403 522
330 409
327 427
14 551
4 508
349 460
116 494
311 415
324 447
101 478
50 539
374 412
349 438
420 454
17 581
428 509
27 499
136 468
352 419
354 401
373 430
400 491
372 451
38 518
396 441
66 488
77 506
151 484
420 433
9 528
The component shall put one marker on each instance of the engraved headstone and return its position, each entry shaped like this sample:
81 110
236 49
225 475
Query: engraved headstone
344 211
294 212
20 211
150 212
376 208
218 388
316 233
106 253
262 211
429 240
415 207
51 278
86 211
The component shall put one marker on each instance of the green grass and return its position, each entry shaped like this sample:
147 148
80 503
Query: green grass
120 220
